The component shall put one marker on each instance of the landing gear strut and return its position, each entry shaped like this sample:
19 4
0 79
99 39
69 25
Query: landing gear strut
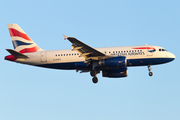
149 68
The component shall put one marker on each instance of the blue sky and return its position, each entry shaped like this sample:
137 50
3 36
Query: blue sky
32 93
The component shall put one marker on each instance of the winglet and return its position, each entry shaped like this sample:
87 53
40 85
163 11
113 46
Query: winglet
65 37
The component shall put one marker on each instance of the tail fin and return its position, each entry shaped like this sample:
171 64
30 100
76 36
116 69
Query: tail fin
21 41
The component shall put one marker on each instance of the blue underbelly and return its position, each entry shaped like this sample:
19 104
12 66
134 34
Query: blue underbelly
148 61
84 66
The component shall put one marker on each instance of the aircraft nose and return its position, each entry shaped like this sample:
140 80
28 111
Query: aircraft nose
172 56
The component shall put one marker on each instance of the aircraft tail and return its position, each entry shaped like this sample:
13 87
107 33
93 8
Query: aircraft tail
21 41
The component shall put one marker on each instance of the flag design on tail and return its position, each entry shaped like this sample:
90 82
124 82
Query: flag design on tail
21 41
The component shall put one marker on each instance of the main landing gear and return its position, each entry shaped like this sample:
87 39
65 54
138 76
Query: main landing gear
149 68
93 74
95 79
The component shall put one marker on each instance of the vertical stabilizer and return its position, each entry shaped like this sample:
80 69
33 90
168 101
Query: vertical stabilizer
21 41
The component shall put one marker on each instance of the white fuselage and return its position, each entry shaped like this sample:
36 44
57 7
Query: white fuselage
131 53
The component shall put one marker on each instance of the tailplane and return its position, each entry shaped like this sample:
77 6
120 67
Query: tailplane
17 54
21 41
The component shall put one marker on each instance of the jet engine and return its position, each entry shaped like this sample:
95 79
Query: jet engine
115 73
114 62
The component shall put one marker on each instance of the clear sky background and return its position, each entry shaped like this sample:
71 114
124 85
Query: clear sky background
33 93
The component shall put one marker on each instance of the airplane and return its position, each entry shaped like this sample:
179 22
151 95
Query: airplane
112 61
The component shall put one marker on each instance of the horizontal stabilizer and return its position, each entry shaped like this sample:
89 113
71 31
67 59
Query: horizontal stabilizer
16 54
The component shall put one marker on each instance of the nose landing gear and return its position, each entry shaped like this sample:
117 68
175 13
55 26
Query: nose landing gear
149 68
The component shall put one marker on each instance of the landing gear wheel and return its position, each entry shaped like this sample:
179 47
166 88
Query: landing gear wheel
93 73
95 79
149 69
150 73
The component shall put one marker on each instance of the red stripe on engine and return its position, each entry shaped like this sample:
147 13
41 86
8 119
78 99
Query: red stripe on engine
16 33
29 50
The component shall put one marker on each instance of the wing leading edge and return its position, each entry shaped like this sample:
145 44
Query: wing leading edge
85 51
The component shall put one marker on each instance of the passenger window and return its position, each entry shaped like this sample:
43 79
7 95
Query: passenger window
159 49
56 55
69 54
72 54
77 53
140 50
163 50
105 52
66 54
121 51
130 51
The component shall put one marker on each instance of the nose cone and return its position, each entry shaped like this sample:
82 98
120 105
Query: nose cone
171 56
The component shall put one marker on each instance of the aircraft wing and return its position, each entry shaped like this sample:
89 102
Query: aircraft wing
86 51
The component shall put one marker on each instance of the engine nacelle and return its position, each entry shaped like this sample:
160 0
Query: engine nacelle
115 73
114 62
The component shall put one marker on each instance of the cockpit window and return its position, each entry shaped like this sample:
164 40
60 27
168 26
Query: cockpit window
162 50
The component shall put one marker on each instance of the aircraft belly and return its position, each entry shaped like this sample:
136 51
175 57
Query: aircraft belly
67 65
148 61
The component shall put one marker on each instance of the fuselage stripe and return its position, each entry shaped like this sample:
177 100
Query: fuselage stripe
145 48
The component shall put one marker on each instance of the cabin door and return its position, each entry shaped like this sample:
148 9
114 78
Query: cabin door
43 56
